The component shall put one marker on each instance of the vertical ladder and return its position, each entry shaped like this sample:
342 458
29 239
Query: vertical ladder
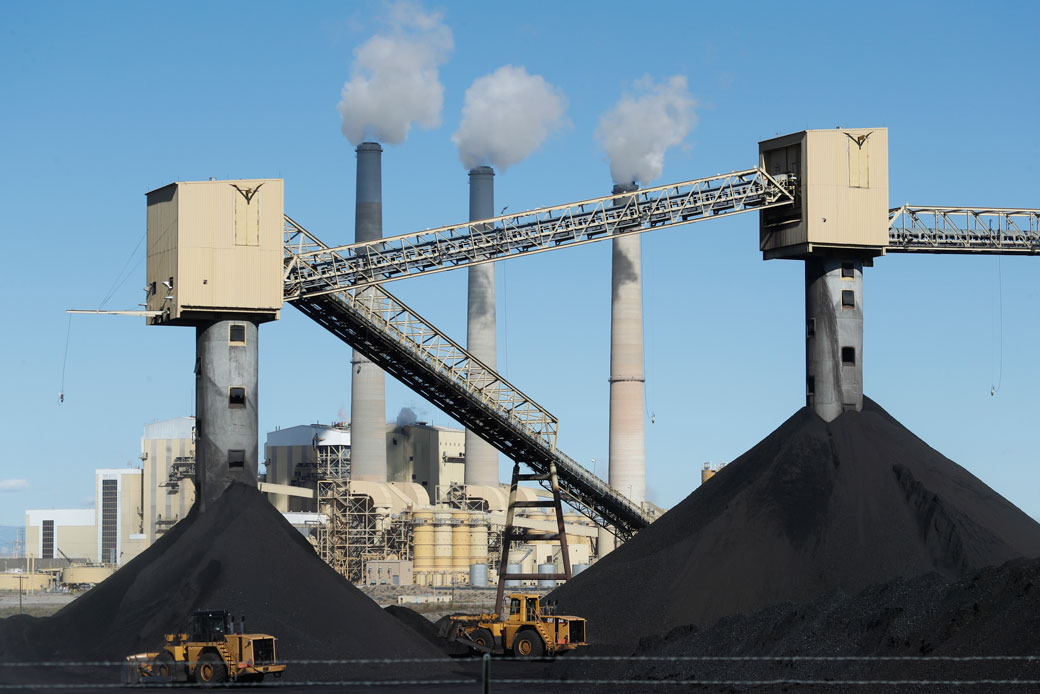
511 534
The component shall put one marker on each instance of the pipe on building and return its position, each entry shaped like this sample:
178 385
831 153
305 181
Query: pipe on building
367 382
627 448
481 457
226 407
833 336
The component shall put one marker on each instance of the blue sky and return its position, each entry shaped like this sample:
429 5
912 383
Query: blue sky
101 102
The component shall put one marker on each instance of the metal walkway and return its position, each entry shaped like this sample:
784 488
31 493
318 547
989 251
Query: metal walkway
409 348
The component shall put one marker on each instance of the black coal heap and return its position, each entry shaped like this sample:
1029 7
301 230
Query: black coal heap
815 507
241 555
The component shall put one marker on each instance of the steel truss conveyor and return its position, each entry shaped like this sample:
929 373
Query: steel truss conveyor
963 230
316 270
408 347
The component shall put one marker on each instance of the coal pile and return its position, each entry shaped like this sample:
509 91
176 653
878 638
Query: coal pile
427 629
926 628
815 508
242 556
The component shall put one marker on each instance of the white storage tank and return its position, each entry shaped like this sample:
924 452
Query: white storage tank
513 569
478 575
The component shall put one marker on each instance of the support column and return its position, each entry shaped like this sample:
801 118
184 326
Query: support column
834 335
225 407
367 381
481 457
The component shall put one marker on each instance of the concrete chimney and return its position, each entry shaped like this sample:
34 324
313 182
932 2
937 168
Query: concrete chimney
367 382
627 451
481 457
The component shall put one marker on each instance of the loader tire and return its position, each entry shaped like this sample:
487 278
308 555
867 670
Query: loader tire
484 638
163 667
528 644
211 669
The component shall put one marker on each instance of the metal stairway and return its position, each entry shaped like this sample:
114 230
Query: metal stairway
409 348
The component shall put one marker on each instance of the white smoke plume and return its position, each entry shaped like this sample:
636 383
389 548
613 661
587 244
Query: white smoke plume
506 116
394 80
642 126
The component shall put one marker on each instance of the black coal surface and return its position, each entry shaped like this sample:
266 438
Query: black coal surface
924 628
815 507
428 630
241 556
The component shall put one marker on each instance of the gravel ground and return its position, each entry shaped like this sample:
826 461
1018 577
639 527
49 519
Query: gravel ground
37 604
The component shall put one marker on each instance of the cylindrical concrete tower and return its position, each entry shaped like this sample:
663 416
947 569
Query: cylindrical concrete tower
367 383
481 456
833 336
225 406
627 463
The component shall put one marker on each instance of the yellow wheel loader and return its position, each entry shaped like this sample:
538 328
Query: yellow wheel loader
530 629
211 652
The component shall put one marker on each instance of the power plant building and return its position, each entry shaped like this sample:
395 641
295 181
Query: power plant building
431 456
111 533
51 532
168 464
299 456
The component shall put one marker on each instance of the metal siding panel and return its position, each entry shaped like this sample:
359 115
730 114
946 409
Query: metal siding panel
197 246
162 225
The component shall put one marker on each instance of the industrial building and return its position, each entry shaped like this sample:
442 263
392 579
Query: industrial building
168 467
111 533
421 524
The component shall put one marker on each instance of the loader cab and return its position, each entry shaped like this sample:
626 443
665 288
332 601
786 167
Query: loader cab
523 608
209 625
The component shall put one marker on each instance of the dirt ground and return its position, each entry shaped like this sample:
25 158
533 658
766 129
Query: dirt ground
35 604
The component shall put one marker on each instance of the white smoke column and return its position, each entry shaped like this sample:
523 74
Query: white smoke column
506 116
639 129
394 80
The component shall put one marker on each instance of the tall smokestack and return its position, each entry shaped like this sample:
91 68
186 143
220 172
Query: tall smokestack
481 457
368 384
627 455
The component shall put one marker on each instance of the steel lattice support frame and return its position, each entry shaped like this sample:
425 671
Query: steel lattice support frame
914 229
333 539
